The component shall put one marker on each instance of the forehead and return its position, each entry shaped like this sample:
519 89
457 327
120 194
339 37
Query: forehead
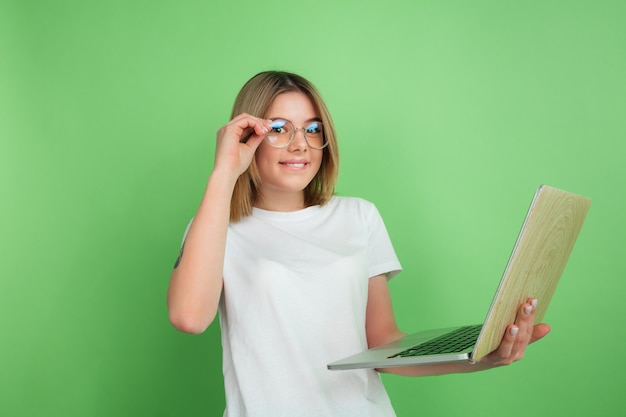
294 106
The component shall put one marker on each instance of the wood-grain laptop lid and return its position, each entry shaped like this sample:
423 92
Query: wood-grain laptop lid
537 262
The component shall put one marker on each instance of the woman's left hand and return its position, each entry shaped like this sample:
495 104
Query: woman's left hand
517 337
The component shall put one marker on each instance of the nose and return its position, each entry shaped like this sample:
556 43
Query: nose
299 141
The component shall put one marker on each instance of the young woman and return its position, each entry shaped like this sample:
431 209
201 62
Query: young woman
299 276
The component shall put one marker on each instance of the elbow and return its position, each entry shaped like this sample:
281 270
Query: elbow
190 323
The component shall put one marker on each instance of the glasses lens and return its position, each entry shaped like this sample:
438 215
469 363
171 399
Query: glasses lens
280 134
315 135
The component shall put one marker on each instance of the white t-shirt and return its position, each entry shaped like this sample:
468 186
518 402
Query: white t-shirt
294 300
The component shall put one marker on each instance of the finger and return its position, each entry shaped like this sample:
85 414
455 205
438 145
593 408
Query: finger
525 321
254 141
259 125
244 120
508 342
262 127
250 127
243 116
502 355
526 317
539 331
530 318
254 138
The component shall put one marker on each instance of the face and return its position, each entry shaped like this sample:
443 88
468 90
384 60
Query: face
285 172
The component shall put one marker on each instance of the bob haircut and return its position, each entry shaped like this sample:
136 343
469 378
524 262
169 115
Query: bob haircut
255 98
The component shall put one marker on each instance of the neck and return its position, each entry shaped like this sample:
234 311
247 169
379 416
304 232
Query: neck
280 201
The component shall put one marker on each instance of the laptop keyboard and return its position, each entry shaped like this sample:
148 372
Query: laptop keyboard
455 341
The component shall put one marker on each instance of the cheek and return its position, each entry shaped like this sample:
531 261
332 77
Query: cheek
263 155
318 161
266 160
261 151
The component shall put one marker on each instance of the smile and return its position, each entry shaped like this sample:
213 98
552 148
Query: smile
294 164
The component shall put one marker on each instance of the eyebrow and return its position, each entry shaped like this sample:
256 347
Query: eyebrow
314 119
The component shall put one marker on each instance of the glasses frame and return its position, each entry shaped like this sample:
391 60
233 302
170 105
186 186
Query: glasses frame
293 135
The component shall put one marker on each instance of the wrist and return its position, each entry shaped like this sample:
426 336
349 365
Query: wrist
222 178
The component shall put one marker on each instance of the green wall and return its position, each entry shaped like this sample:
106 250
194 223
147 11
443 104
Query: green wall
450 114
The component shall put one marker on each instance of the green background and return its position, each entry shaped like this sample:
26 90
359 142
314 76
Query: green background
449 114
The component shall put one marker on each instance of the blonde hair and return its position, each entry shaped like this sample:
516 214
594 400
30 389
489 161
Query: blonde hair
255 98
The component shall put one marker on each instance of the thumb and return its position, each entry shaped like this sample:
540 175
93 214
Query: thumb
539 331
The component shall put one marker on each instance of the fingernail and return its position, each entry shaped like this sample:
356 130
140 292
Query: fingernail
513 331
534 303
528 310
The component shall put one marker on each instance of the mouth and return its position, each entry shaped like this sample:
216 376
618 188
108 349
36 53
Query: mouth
295 164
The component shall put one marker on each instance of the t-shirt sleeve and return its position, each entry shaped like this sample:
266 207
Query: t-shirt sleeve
182 243
382 257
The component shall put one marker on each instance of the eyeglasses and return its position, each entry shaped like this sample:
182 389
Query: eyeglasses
283 132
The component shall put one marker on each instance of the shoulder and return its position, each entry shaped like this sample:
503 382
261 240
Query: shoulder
354 203
354 207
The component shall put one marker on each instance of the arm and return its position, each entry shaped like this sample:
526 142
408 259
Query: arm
381 328
196 282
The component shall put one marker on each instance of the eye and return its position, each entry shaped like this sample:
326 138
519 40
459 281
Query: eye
278 126
314 128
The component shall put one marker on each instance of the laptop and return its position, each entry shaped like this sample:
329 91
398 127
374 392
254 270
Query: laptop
543 246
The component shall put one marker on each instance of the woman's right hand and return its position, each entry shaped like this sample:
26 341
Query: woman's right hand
196 283
237 142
